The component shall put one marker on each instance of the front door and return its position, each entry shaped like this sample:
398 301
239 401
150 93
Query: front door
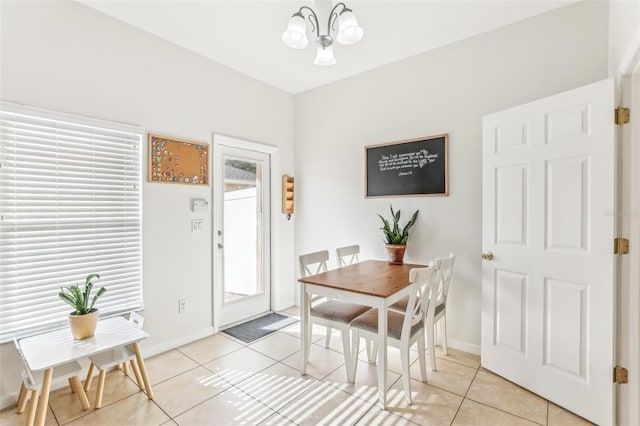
242 234
548 228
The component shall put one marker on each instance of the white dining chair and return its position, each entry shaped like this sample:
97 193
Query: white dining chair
403 329
347 255
443 269
329 313
120 355
32 383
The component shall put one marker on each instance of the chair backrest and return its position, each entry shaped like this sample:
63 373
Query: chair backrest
422 284
347 255
444 269
137 319
313 263
27 371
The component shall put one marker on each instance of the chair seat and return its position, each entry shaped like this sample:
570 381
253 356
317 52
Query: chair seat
369 322
334 310
62 371
112 357
401 305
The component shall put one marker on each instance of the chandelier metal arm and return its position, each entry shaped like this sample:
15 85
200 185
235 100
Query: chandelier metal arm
333 16
331 22
314 22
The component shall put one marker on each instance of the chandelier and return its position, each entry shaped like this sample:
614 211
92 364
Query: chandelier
349 32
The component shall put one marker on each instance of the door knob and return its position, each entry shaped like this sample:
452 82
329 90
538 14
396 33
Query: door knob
487 255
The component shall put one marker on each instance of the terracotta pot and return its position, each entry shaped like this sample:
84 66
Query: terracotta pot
83 326
396 253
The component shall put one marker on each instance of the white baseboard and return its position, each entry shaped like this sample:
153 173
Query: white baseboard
167 345
284 305
464 346
7 401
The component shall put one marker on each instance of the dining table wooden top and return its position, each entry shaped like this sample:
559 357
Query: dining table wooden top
376 278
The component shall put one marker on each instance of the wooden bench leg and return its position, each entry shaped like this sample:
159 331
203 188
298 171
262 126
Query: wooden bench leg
89 379
136 371
143 370
23 395
100 389
76 385
125 368
43 404
33 406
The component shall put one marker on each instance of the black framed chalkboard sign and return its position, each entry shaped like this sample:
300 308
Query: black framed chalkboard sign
415 167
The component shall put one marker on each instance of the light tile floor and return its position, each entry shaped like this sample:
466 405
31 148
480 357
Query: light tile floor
221 381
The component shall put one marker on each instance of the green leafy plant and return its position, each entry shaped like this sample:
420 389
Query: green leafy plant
396 234
80 299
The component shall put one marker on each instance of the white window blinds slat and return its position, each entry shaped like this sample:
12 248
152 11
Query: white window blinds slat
70 205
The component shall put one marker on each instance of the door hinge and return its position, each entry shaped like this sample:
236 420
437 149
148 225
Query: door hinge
622 115
620 246
620 375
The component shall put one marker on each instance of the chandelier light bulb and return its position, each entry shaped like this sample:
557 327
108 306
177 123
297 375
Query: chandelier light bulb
349 32
296 34
324 56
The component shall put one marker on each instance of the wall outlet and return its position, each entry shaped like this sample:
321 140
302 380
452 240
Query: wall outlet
183 305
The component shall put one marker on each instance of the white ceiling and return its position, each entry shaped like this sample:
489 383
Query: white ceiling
245 35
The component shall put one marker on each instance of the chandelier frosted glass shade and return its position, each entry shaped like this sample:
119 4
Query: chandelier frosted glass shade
324 56
349 32
296 34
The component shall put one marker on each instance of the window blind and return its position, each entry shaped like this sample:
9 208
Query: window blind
70 205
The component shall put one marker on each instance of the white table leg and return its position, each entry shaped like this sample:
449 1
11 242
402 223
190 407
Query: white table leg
382 357
305 329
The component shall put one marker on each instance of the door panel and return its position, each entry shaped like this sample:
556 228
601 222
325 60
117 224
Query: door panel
567 204
242 278
511 310
548 294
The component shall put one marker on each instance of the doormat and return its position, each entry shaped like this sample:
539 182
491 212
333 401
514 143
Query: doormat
259 327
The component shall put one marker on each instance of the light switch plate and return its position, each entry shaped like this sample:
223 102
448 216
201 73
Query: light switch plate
197 225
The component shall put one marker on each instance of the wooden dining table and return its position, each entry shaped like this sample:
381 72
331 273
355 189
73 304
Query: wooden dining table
372 283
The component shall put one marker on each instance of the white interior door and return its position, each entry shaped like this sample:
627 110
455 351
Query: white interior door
548 292
242 233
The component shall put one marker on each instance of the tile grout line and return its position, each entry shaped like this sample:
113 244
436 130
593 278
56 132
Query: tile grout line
465 395
500 409
547 412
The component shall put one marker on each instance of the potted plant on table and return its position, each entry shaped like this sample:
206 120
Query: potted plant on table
84 318
396 237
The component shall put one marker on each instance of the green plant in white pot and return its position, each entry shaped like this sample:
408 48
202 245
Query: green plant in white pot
396 236
84 318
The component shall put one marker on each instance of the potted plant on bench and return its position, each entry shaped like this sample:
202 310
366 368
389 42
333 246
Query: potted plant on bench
84 318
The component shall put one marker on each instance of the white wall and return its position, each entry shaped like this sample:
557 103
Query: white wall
443 91
624 34
67 57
